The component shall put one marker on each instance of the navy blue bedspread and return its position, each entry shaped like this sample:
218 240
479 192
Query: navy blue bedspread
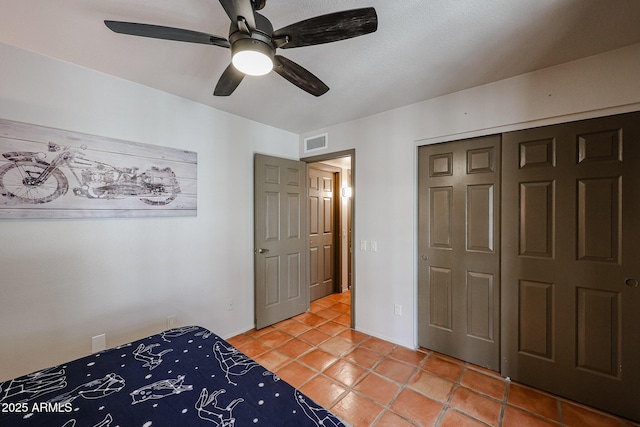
186 376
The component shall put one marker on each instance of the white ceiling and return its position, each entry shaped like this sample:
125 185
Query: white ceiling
422 49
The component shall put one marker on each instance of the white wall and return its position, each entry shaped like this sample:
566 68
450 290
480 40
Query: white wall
62 282
385 164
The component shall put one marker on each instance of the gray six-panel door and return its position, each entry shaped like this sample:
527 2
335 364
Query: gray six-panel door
571 261
280 239
322 230
459 250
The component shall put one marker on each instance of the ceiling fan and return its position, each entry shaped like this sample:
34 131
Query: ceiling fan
253 42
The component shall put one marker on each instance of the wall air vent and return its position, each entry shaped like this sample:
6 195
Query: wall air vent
317 142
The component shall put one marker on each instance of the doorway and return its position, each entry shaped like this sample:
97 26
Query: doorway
324 228
281 237
331 270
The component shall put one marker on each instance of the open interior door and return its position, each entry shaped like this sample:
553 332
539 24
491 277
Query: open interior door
280 239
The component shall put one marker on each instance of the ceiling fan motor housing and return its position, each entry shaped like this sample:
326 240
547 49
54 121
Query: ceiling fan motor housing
262 33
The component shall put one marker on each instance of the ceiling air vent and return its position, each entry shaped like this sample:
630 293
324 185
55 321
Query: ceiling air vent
314 143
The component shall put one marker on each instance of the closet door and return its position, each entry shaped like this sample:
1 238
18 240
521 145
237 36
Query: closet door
571 261
459 253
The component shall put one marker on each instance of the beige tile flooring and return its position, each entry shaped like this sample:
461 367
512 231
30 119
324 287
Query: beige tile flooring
368 381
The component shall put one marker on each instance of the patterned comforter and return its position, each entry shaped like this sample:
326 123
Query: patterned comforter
186 376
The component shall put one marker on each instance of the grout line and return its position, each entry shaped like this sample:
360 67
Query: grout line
560 413
505 397
447 405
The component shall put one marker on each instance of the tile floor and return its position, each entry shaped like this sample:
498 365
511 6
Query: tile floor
370 382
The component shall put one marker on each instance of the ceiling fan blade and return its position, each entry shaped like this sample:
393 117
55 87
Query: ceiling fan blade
166 33
299 76
228 82
329 28
240 8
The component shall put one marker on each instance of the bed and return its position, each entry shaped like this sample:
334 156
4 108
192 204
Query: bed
186 376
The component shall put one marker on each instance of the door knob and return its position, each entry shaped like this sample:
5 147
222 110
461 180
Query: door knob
424 257
261 251
632 283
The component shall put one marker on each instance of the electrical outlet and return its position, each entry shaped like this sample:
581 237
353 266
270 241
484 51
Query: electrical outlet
397 310
98 343
171 321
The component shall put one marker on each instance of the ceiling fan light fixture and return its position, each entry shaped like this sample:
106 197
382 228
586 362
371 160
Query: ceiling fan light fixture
252 57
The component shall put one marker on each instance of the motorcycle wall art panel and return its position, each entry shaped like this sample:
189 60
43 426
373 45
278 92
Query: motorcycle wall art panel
51 173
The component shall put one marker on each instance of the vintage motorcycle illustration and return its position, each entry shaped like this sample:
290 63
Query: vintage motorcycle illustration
30 179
